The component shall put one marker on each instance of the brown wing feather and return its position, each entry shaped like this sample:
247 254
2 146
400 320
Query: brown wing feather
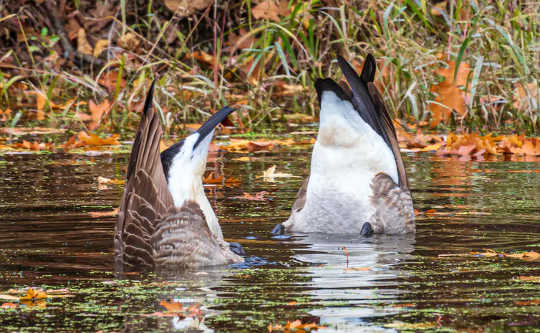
394 212
300 197
146 197
388 127
183 240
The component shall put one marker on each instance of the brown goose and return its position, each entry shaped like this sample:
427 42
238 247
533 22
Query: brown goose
165 221
357 181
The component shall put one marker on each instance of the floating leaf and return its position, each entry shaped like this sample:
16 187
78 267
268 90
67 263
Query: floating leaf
270 174
259 196
530 278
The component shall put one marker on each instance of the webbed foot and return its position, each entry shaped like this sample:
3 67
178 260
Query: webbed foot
279 229
367 230
237 248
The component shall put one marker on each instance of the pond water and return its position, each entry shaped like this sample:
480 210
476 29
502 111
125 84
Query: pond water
55 234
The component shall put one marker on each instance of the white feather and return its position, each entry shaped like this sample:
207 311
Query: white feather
347 155
185 178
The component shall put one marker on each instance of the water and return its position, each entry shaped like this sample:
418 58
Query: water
54 235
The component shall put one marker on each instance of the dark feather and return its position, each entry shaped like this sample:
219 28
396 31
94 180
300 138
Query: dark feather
369 104
146 197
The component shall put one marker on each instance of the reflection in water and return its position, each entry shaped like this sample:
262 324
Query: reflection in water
352 276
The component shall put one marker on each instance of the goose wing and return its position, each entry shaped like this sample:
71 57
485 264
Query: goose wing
146 197
369 104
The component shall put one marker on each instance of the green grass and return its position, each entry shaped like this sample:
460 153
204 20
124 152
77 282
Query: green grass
499 40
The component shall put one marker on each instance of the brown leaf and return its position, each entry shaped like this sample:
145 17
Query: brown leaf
530 278
97 111
8 305
449 93
259 196
128 41
526 97
172 306
221 180
101 45
33 294
84 139
111 213
104 180
109 81
82 43
271 9
187 7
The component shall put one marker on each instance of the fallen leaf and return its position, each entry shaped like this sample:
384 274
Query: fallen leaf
31 130
205 58
410 326
530 278
186 7
128 41
526 303
111 213
271 9
5 115
33 294
526 96
82 43
101 45
172 306
104 180
357 269
221 180
294 326
527 256
110 79
270 174
449 96
97 111
259 196
285 89
8 305
84 139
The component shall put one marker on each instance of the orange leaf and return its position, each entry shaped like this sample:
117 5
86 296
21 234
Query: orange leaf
111 213
8 305
271 9
526 97
109 81
32 294
172 306
40 105
449 95
97 111
82 43
530 278
259 196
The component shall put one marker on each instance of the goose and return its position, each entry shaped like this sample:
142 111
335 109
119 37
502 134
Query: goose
165 221
357 182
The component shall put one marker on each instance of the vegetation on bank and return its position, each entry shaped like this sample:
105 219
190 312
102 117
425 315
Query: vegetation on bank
449 66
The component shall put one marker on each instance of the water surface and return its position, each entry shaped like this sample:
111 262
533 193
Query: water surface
54 234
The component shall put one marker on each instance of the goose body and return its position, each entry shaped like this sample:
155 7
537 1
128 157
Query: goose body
357 181
165 221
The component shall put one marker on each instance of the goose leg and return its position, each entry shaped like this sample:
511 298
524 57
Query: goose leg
237 248
279 229
367 230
